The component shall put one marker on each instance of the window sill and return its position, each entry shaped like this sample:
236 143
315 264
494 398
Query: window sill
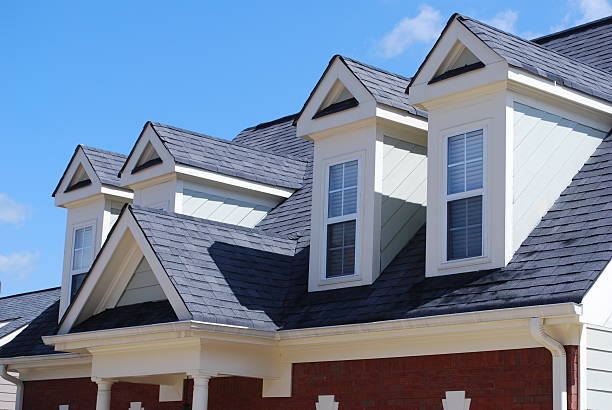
462 263
340 279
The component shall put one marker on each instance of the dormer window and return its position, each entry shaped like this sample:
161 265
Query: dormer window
341 219
464 195
82 256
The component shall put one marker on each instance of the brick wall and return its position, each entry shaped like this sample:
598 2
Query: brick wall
510 379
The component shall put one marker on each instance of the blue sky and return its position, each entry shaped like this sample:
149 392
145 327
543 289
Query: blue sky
94 72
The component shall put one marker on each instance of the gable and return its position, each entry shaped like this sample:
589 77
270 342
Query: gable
457 62
125 272
78 181
338 98
149 158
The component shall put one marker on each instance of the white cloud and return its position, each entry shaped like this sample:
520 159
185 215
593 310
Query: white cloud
18 264
11 211
425 27
593 10
505 20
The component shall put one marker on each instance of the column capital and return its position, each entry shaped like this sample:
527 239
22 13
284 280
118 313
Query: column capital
102 382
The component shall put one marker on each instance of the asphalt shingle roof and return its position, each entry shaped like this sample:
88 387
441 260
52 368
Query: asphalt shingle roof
386 87
589 43
230 158
106 164
543 61
19 310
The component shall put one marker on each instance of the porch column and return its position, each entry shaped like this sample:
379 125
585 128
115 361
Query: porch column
200 392
103 399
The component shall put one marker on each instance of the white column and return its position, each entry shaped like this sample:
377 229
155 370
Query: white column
200 392
103 399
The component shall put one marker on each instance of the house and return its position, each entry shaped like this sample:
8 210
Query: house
16 313
439 241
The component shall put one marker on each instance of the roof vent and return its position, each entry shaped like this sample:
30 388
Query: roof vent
338 99
148 158
458 61
80 179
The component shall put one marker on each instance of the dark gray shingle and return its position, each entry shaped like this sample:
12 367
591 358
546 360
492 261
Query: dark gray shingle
106 164
543 61
590 43
229 158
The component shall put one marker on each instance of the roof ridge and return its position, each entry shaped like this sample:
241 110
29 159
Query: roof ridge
103 150
273 122
461 16
382 70
30 292
574 29
228 142
209 222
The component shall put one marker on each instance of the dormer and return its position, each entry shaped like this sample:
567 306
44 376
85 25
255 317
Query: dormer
198 175
89 189
369 172
507 133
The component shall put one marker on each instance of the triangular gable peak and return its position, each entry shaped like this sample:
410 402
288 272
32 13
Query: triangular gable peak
125 272
79 180
338 98
458 61
148 159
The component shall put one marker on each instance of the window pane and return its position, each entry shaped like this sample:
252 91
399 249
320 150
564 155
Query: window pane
350 174
465 162
82 253
456 181
456 147
473 145
473 175
350 201
340 249
335 177
464 228
335 204
77 281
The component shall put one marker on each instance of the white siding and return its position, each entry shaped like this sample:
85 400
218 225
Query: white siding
143 287
404 195
548 151
204 204
599 369
7 395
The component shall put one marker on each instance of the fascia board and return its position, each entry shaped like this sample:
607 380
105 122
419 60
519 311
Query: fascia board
519 79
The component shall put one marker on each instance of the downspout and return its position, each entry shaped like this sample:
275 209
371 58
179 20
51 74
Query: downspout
559 363
18 383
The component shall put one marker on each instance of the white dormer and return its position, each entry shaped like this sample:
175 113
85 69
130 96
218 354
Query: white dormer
160 179
93 203
369 190
500 151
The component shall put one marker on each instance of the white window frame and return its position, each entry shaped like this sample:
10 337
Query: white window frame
356 216
75 227
446 263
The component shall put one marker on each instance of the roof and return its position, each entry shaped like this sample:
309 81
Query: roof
589 43
386 87
106 165
19 310
543 61
231 158
258 277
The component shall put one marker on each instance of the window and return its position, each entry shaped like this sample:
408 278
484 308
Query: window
341 219
464 195
82 256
